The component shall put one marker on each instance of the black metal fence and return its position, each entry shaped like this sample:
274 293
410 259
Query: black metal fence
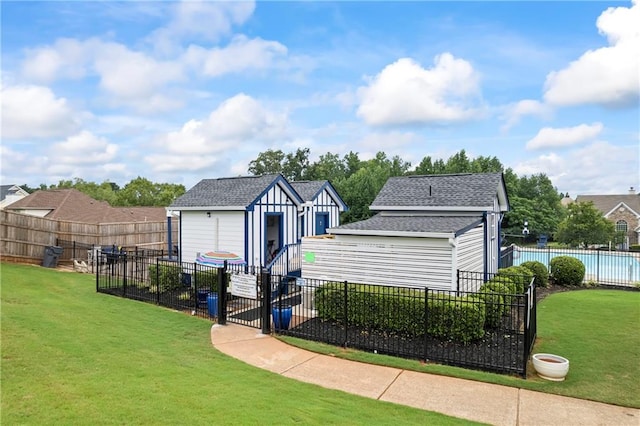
486 330
604 267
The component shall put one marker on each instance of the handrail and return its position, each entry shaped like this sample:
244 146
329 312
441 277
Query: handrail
284 257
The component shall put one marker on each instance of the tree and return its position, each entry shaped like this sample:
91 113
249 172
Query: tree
584 226
267 162
142 192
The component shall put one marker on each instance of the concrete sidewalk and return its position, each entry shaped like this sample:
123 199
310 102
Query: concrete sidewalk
467 399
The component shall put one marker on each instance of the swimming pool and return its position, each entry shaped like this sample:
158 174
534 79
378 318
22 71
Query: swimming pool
605 267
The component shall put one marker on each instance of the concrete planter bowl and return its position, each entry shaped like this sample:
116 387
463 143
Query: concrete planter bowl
551 367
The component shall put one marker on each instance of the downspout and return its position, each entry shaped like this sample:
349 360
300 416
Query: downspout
485 245
453 243
246 237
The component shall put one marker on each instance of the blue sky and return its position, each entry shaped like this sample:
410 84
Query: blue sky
177 92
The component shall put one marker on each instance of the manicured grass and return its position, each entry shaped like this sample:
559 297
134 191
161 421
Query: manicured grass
73 356
597 330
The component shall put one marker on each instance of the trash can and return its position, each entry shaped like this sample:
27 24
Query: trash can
51 254
212 304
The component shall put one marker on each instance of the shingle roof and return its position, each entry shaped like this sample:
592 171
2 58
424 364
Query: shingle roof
394 223
75 206
6 190
307 189
226 192
454 190
606 203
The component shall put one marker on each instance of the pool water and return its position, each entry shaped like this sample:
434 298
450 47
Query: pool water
605 267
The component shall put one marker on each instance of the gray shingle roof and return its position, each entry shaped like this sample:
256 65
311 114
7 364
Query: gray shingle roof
394 223
455 190
225 192
308 189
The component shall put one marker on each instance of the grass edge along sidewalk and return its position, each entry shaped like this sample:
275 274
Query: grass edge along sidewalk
595 329
74 356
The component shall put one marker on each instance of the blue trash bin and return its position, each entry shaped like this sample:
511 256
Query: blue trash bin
281 317
212 304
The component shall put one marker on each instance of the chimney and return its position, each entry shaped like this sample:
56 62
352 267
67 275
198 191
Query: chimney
632 191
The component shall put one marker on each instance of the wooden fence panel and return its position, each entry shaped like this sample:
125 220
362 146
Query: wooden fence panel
25 237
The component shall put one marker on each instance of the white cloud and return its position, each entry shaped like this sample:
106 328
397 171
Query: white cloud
35 112
83 148
609 76
201 20
241 54
526 107
592 169
549 137
238 123
404 93
67 58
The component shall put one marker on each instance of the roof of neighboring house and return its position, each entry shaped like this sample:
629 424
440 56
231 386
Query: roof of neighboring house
75 206
606 203
474 191
10 189
310 189
398 224
233 193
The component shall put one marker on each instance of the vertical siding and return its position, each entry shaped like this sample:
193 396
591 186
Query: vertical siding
412 262
470 251
323 203
275 200
224 230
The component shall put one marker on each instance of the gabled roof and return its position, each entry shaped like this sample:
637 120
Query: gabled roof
73 205
11 189
310 189
607 204
410 225
236 193
456 192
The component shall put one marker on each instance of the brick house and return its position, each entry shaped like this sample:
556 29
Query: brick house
623 210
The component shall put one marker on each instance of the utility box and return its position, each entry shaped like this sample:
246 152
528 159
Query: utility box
51 254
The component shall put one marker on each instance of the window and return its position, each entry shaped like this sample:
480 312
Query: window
621 226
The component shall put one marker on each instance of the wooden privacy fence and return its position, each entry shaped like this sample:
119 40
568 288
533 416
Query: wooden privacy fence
25 237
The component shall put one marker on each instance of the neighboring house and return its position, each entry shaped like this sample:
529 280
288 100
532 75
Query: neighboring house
623 210
75 206
322 207
426 229
9 194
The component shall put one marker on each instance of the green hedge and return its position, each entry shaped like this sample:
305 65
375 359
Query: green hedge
540 272
567 271
402 311
520 276
165 277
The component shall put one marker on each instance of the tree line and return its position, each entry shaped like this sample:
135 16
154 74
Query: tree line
533 198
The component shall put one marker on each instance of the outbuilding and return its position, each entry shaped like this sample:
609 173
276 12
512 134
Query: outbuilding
425 230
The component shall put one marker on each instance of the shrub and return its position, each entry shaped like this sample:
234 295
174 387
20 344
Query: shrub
165 277
634 247
520 275
567 271
402 311
494 304
206 279
540 272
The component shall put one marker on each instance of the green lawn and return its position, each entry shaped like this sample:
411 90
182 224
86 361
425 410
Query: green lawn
597 330
73 356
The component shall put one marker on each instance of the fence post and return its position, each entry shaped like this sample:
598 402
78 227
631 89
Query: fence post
265 284
346 315
598 266
527 332
157 281
124 275
222 295
426 323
